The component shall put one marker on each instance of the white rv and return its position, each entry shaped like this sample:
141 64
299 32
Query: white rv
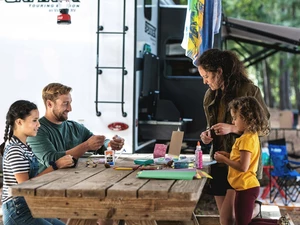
122 58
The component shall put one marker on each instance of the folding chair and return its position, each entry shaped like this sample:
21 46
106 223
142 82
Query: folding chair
283 173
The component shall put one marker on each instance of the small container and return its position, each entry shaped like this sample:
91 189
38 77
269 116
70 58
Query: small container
109 155
198 157
181 164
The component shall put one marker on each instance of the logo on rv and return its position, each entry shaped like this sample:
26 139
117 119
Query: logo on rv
37 1
150 29
51 6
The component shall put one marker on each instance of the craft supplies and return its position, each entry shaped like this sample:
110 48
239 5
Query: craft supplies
198 157
143 161
109 155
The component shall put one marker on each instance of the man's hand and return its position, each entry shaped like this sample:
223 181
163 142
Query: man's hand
117 143
95 142
64 162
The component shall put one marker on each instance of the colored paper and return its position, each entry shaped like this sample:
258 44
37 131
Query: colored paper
169 175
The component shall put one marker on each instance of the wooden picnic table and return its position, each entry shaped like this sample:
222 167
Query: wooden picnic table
86 194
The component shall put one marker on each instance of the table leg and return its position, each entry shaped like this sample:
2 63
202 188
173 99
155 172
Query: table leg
82 222
140 222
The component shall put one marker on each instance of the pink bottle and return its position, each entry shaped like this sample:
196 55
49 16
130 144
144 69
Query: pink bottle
198 156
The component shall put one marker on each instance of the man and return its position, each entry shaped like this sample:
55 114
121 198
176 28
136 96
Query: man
58 136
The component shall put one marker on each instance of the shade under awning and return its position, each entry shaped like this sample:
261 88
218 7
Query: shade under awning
267 35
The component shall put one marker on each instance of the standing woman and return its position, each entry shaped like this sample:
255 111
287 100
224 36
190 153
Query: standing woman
227 79
20 164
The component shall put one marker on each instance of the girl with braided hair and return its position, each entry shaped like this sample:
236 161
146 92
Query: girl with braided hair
227 79
20 164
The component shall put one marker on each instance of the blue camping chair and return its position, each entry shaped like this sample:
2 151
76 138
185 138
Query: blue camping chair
283 172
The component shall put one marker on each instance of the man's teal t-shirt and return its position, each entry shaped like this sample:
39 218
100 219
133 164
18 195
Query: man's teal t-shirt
53 140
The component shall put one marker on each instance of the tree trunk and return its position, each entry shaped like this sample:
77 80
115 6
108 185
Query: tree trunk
296 80
266 84
284 85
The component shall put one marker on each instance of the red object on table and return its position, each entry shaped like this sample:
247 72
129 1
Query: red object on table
272 182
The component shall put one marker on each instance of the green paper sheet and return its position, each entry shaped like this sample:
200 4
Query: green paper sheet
169 175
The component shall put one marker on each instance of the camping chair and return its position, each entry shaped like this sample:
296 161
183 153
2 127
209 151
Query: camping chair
283 173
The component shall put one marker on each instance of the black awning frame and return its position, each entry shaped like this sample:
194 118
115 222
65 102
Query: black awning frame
271 42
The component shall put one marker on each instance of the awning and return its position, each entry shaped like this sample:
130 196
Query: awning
272 38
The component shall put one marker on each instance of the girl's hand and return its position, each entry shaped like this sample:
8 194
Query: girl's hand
220 158
64 162
222 128
226 154
205 137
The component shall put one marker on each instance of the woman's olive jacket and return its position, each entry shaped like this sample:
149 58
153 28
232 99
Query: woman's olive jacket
211 108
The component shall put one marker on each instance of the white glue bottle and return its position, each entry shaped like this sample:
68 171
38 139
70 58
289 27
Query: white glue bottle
198 156
109 155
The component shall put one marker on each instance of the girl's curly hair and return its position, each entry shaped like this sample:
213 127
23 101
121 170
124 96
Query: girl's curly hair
252 113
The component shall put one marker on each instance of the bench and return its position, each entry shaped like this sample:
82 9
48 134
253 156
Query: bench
267 211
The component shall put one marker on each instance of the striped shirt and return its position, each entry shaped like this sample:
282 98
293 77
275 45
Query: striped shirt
14 162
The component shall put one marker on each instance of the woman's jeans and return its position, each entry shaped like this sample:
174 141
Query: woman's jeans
16 212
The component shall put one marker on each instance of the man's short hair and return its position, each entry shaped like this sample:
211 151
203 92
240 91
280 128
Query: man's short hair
53 90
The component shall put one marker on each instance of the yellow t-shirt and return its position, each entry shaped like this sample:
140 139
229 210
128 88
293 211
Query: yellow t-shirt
245 180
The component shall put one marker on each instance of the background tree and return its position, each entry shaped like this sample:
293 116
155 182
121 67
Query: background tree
278 75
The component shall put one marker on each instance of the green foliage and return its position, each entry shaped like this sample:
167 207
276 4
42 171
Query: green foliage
277 12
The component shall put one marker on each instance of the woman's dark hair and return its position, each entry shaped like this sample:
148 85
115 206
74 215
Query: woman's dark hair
18 110
234 73
252 113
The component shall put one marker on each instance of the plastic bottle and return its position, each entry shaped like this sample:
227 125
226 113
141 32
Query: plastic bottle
198 156
109 155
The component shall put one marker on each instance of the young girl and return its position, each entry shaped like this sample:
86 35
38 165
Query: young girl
248 117
20 164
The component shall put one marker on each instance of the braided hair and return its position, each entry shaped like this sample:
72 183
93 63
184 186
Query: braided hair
18 110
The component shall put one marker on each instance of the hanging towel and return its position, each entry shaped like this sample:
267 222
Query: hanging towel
193 25
211 24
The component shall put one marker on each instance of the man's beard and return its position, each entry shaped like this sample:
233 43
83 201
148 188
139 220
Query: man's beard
59 116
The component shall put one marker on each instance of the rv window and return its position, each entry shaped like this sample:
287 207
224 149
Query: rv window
147 9
176 63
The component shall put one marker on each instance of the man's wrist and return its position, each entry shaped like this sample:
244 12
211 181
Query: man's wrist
101 150
53 164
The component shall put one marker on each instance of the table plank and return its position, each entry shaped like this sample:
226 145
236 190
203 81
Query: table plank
29 187
123 209
126 188
156 189
97 185
188 190
58 188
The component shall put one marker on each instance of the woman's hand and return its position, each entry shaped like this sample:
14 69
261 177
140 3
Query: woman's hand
64 162
205 137
222 128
